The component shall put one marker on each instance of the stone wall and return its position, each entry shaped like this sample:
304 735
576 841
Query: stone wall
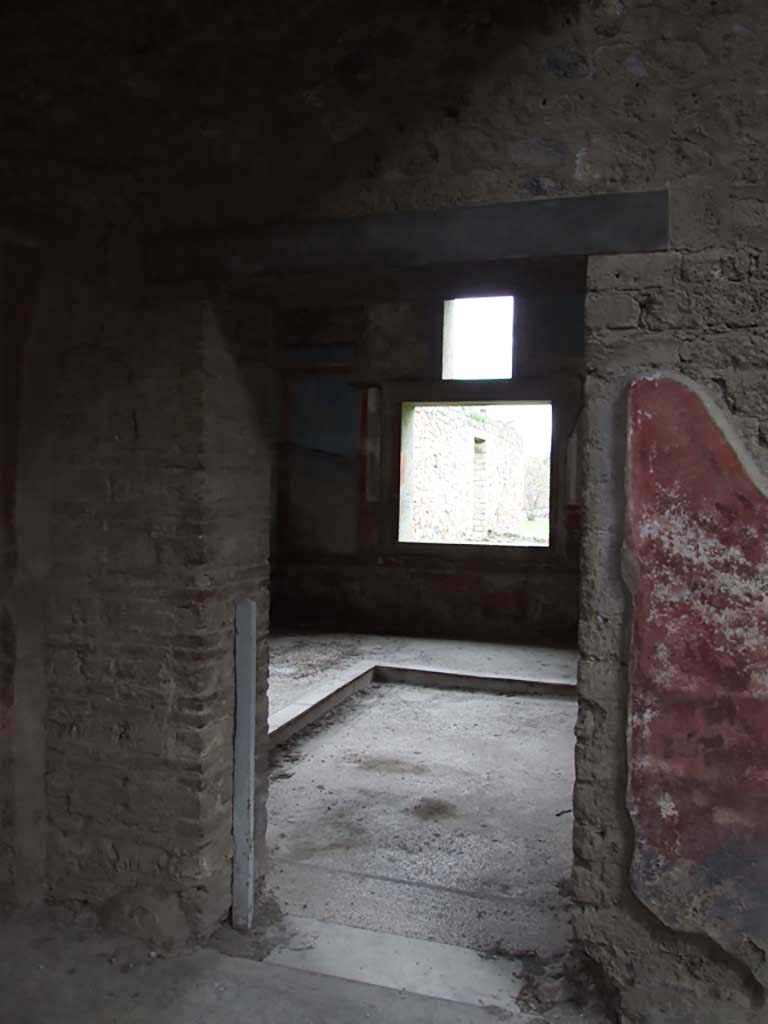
143 518
465 477
440 472
699 310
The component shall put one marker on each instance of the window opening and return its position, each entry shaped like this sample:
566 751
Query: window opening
478 338
476 474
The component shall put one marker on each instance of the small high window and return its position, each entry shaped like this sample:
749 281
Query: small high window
477 338
476 474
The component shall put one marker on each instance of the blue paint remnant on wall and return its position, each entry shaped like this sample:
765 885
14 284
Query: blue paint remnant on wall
323 413
320 355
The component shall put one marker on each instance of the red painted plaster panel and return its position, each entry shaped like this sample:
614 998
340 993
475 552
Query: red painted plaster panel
696 537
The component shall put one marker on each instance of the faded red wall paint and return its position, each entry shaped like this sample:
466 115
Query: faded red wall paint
514 602
697 537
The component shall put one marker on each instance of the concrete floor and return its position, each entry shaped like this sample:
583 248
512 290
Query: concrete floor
311 672
419 851
55 969
300 661
441 817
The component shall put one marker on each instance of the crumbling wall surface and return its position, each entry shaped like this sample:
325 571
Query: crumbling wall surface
140 456
699 311
696 539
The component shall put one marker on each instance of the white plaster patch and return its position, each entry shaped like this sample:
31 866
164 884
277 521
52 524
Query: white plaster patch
643 720
679 536
667 807
758 680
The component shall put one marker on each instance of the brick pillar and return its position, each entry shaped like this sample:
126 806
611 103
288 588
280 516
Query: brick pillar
145 467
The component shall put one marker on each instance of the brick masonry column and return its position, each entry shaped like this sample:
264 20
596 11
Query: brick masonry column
145 475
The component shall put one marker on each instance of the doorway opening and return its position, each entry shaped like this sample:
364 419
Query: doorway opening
424 605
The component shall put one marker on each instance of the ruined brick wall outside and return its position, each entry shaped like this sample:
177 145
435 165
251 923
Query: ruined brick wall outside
441 476
446 493
141 487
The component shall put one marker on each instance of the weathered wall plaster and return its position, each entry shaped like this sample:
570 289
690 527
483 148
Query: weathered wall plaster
696 536
658 969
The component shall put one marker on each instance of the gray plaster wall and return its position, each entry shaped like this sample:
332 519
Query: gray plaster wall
142 508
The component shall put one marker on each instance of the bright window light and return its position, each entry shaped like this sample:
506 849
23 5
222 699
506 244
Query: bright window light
476 474
477 338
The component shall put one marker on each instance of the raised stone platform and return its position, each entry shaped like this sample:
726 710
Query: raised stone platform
312 673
